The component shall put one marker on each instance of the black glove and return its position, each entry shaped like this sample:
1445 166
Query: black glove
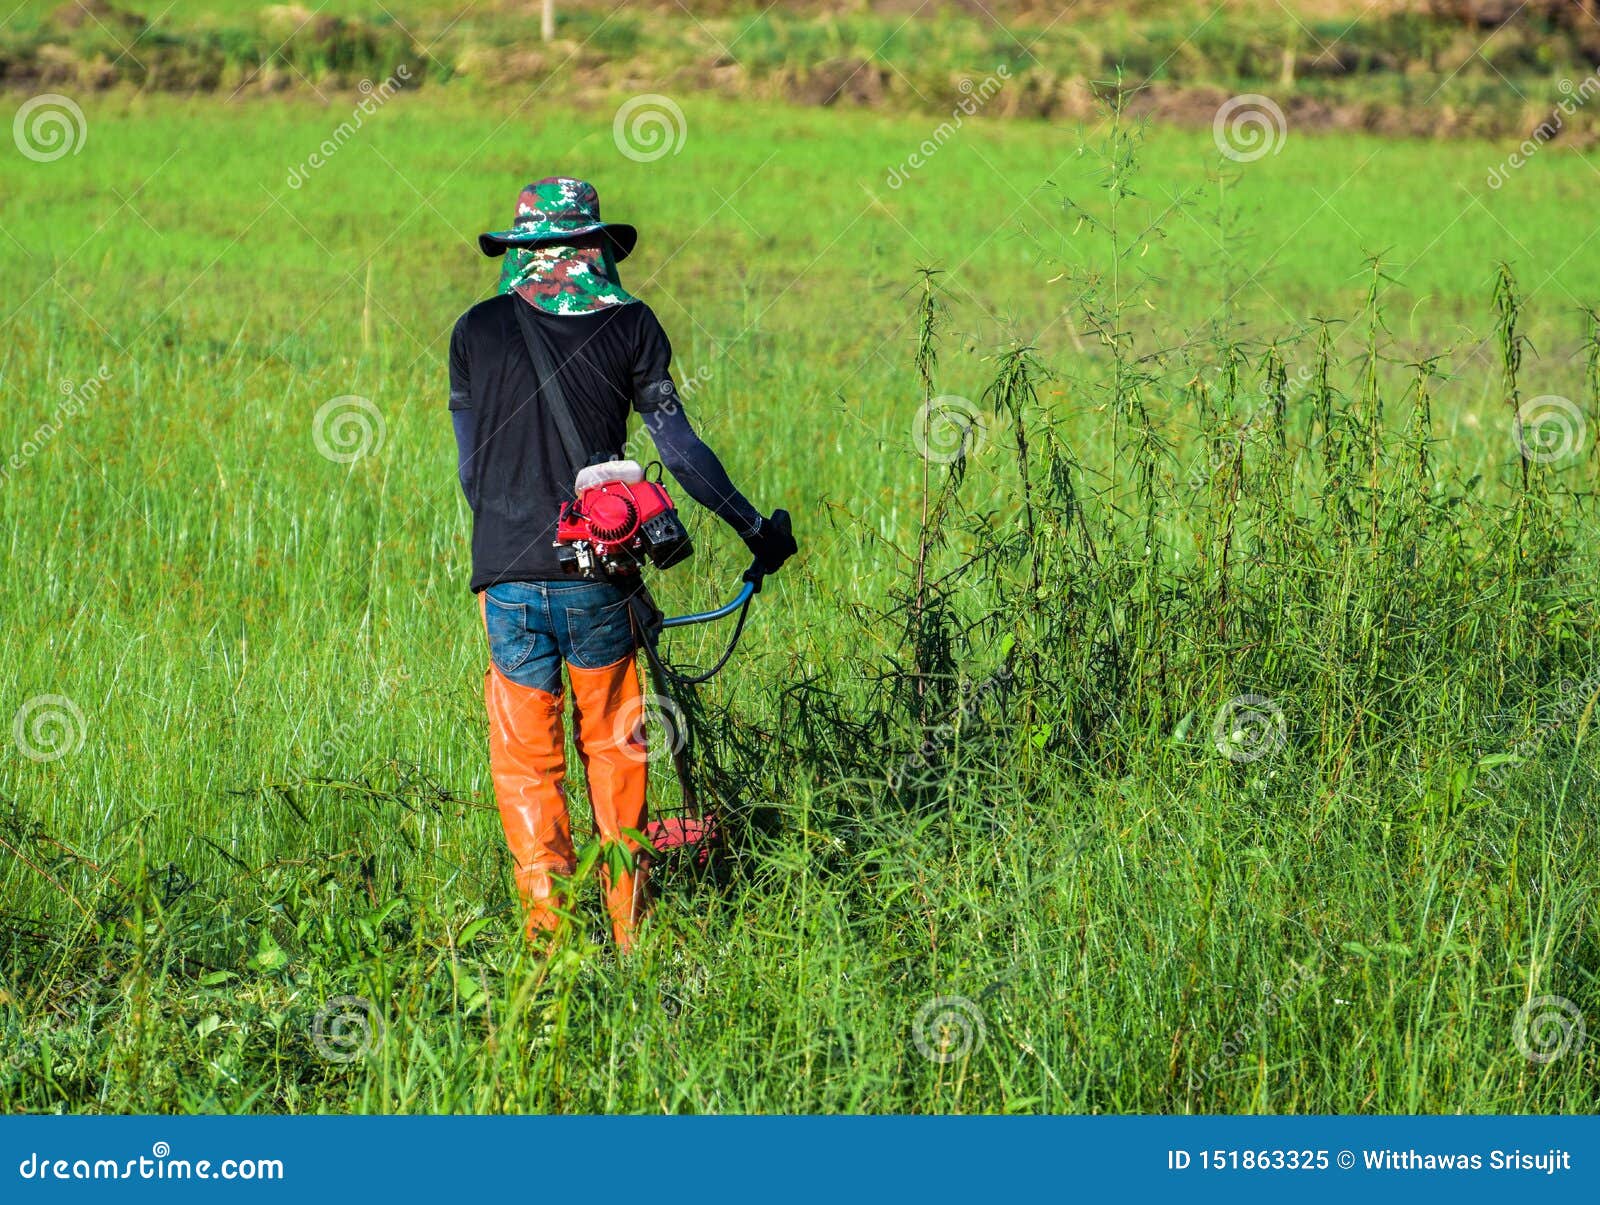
771 544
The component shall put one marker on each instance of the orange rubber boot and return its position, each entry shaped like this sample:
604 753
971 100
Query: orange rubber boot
528 762
611 744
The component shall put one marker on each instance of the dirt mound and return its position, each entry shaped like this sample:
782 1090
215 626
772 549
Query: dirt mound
76 14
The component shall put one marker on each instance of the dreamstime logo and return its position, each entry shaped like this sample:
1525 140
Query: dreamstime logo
374 97
347 1027
1573 702
1276 999
1548 428
1572 97
157 1165
1232 442
1546 1027
1248 728
378 695
974 95
650 712
76 397
48 127
939 735
695 381
638 1045
649 127
348 427
947 429
668 399
1249 127
948 1028
49 727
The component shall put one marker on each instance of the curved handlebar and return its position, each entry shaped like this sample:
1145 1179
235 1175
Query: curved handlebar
753 578
745 593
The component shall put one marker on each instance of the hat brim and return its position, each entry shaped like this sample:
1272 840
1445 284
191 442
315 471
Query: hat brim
622 237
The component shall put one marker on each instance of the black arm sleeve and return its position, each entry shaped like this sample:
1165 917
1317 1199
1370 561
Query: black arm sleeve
696 467
462 416
466 425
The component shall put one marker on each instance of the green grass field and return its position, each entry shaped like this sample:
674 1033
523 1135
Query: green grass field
261 668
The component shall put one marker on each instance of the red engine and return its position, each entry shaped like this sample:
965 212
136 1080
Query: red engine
613 526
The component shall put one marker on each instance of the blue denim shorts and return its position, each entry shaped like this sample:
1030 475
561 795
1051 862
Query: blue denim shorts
534 626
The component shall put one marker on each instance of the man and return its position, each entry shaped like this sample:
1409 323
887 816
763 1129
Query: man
609 355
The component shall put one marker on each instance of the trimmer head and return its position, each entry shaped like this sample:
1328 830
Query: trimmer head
699 835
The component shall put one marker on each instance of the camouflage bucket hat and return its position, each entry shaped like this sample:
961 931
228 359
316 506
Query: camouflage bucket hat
557 209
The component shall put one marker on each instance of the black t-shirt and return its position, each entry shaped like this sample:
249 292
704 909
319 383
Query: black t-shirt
608 361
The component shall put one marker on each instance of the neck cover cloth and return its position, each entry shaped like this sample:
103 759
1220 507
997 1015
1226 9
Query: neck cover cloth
511 265
564 280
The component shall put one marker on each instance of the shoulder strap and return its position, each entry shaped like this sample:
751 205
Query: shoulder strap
544 368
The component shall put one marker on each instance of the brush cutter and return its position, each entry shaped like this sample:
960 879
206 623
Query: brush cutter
617 521
695 828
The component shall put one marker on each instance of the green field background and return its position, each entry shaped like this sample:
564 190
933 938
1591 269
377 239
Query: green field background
279 664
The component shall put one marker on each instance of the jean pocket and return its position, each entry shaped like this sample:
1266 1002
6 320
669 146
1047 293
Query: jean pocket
511 642
598 636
